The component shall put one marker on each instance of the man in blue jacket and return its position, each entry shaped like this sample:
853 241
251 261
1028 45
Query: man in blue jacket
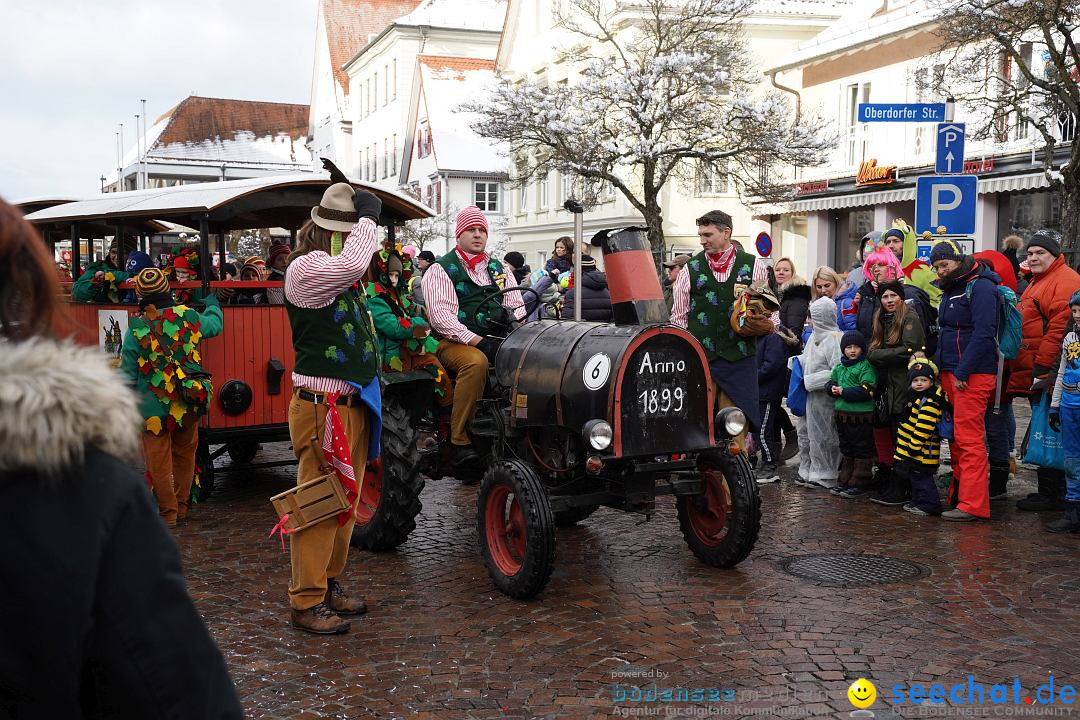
967 355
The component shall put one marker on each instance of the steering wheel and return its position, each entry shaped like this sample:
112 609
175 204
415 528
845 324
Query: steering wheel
504 328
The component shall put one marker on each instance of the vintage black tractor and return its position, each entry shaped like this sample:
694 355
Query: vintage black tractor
580 415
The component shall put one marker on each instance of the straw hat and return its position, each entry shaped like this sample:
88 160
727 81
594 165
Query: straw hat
335 212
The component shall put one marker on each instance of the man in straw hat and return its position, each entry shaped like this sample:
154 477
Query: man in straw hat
336 364
165 335
454 288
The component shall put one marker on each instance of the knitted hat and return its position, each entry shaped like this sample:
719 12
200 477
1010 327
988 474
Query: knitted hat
894 285
919 367
1048 239
853 337
514 259
254 260
469 218
946 250
181 263
278 249
1075 299
427 256
137 261
335 212
151 281
393 264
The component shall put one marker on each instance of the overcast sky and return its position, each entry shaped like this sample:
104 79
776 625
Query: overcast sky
72 70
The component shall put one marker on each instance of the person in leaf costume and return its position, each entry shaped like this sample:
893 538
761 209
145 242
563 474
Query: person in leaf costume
404 337
160 350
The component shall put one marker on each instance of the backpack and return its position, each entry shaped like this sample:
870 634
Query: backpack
919 301
1010 320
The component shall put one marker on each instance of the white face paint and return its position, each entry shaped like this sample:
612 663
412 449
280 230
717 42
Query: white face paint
394 276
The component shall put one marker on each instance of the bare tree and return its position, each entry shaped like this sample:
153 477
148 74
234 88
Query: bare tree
423 232
1013 65
665 91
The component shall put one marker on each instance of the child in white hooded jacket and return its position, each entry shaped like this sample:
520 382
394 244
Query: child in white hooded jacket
819 445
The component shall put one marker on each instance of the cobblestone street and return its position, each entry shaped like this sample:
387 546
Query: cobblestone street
1000 601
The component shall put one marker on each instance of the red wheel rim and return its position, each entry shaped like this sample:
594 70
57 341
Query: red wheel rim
504 525
708 515
370 493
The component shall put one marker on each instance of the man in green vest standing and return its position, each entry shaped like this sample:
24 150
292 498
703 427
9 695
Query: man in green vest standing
336 362
454 287
703 295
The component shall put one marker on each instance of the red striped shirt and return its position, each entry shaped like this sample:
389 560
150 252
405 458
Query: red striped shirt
442 301
315 279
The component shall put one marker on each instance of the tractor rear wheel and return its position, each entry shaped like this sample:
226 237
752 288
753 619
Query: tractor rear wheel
390 495
721 524
572 516
241 452
516 529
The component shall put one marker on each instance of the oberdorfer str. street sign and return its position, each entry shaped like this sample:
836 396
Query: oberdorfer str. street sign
901 112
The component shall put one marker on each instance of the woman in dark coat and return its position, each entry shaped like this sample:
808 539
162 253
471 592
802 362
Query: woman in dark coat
595 298
95 619
794 296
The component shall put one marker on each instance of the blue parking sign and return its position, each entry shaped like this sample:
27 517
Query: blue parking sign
950 149
948 201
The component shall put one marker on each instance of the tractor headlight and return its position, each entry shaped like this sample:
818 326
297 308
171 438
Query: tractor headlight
731 421
598 434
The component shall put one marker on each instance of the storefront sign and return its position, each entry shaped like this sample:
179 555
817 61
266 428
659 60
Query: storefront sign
811 187
978 167
871 174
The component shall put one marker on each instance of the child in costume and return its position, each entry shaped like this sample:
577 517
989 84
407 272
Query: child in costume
918 445
1065 417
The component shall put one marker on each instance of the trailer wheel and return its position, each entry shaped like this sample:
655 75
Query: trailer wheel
390 495
566 518
204 467
241 452
516 529
721 524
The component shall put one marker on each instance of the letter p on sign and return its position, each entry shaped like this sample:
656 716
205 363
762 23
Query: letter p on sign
948 200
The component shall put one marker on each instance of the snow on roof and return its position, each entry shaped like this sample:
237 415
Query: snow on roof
826 8
470 14
234 131
446 83
865 23
350 25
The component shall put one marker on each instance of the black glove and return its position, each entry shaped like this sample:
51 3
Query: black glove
336 176
1055 420
490 348
367 204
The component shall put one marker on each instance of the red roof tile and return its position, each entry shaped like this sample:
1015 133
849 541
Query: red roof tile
447 62
350 25
200 118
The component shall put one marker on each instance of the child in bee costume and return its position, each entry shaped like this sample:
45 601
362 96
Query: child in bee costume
917 451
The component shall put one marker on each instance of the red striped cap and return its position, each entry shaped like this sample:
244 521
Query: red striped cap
470 217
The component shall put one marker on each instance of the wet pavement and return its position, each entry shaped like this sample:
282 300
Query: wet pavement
629 606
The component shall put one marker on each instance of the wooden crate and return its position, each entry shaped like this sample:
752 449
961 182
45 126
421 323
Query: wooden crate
311 503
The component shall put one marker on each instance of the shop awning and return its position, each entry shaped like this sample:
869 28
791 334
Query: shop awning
1014 183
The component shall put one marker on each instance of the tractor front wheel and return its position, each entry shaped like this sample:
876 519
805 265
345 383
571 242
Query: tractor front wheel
516 528
390 494
721 524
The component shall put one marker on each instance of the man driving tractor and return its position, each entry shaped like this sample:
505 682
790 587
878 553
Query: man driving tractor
455 287
703 294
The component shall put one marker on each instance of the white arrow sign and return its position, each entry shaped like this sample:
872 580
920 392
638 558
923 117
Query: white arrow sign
950 148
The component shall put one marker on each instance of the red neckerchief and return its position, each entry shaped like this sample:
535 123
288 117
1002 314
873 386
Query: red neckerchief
472 261
722 261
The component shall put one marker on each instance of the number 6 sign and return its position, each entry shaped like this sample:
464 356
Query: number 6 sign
596 371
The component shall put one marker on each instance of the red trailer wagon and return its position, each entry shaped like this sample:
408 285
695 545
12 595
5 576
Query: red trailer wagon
251 361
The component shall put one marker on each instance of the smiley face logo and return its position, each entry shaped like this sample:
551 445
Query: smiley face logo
862 693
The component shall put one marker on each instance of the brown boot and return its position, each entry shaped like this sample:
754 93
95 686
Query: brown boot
340 602
320 620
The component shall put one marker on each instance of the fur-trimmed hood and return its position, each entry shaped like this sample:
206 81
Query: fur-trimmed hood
794 288
57 398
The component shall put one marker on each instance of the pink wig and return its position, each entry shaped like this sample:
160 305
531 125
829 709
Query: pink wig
883 256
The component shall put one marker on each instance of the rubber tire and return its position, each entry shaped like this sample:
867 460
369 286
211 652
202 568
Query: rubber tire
205 488
241 452
539 559
566 518
744 519
399 504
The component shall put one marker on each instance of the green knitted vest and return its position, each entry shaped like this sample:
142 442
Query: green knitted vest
470 295
336 341
709 318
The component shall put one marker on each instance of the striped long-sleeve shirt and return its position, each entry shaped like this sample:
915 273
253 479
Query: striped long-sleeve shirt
442 302
680 290
917 438
315 279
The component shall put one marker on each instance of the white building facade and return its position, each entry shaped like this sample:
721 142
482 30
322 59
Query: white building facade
887 52
530 48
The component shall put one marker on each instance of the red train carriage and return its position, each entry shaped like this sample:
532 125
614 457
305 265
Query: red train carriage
252 360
